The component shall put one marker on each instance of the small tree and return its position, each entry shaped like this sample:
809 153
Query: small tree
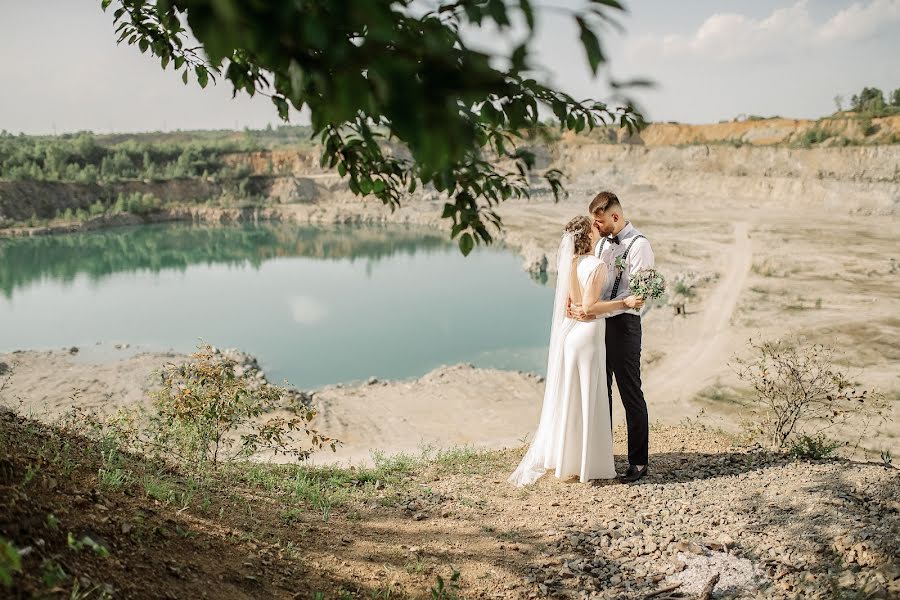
869 99
895 98
839 102
206 415
799 390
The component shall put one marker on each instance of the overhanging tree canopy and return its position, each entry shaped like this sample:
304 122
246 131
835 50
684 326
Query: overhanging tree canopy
395 94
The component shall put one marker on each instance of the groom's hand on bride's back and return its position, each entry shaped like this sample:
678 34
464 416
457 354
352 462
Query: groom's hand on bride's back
575 312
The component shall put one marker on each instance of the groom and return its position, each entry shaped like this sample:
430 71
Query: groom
623 250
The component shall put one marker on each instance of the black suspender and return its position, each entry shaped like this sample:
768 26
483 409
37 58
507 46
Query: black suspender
615 289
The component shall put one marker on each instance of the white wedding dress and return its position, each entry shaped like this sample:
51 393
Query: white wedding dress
574 435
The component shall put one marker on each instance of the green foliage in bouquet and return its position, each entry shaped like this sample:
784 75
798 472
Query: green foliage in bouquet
648 284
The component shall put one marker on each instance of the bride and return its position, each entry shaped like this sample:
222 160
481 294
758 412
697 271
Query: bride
574 434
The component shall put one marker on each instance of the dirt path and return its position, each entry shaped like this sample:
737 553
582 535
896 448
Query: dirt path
700 357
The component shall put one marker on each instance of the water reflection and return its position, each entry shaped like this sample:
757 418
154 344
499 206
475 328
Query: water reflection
316 305
160 247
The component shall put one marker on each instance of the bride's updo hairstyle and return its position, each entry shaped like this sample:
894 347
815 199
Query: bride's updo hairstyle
581 228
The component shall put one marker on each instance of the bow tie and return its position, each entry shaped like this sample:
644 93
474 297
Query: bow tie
614 240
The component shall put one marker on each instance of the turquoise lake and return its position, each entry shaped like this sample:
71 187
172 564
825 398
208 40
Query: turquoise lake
315 305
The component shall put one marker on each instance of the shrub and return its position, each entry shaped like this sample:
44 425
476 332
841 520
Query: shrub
815 136
205 415
96 208
137 203
10 562
684 289
815 447
799 387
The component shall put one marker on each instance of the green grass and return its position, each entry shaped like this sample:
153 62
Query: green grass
159 489
723 395
814 447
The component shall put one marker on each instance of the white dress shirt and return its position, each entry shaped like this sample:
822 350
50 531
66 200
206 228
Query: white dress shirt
640 257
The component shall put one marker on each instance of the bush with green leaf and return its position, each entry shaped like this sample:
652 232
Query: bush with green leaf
815 136
205 415
813 446
10 562
800 390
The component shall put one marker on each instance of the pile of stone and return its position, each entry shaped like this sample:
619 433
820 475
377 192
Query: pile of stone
247 366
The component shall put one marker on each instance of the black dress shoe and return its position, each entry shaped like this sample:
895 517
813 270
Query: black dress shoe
632 474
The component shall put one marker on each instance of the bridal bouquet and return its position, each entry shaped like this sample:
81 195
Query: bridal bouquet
649 284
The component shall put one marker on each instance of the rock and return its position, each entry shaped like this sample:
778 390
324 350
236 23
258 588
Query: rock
372 381
847 579
419 516
73 350
535 260
690 547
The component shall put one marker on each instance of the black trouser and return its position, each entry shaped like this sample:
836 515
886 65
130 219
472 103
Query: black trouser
623 360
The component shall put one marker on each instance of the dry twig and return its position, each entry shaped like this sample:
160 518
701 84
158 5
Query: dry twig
662 591
706 594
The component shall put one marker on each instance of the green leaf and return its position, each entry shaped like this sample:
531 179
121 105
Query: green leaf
518 57
105 4
466 243
610 3
528 12
282 107
405 99
591 45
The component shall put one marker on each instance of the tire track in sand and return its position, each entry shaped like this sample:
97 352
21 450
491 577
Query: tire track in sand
687 369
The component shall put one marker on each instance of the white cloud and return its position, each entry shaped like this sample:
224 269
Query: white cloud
860 21
726 37
307 310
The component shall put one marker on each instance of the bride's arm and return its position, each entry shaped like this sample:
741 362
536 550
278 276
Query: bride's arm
591 303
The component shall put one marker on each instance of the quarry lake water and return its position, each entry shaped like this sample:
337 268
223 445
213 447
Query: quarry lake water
315 305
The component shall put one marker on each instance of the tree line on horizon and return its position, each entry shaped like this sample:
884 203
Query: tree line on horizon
872 102
88 158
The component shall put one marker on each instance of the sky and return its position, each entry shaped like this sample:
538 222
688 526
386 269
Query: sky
711 60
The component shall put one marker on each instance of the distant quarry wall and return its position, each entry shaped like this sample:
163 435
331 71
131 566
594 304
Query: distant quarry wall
863 179
21 200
